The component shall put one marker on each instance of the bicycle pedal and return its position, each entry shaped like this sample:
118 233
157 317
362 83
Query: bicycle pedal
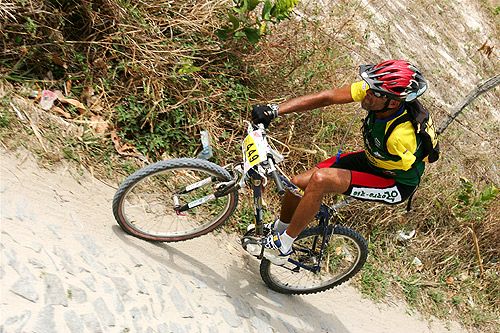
252 245
251 231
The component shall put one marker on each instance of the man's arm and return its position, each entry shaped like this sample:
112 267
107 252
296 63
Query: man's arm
317 100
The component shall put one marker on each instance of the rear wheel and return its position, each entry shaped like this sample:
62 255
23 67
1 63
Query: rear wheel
307 273
173 200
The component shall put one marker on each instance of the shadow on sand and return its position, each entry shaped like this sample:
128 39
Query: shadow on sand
244 289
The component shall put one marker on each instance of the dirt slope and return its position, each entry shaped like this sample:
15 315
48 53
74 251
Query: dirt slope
67 267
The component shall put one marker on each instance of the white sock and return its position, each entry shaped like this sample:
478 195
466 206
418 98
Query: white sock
286 242
280 226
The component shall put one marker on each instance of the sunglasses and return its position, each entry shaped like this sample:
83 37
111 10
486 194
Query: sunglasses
379 94
382 95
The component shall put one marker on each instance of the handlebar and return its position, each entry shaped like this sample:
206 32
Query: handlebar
269 164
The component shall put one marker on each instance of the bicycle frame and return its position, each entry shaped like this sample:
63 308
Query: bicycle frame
255 176
258 164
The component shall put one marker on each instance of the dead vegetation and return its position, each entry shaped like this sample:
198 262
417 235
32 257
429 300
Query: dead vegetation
155 72
155 75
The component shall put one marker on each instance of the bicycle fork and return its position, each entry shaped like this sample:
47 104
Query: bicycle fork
253 243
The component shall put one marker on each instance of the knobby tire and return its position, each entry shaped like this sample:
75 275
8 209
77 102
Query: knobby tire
188 166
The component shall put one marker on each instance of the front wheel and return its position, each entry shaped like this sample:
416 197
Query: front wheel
310 270
173 200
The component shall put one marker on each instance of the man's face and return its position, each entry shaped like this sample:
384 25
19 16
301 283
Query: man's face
372 102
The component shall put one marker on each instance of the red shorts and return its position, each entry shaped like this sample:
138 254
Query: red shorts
366 182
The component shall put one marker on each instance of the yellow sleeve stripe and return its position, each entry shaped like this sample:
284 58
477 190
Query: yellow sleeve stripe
358 90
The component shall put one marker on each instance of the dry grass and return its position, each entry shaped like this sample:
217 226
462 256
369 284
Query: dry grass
159 76
162 57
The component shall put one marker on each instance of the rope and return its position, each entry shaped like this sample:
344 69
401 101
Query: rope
479 90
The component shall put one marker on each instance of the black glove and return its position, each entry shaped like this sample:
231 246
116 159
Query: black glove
264 113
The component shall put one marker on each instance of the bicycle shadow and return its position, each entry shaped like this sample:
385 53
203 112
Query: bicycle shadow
245 291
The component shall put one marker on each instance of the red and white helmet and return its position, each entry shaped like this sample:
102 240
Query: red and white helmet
397 79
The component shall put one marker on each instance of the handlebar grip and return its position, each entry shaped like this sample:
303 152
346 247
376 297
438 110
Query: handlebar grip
278 182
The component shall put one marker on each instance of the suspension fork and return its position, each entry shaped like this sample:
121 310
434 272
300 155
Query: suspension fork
256 181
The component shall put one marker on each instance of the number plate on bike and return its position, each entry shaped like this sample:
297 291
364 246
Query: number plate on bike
254 149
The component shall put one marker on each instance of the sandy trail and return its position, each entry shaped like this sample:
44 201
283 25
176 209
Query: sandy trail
67 267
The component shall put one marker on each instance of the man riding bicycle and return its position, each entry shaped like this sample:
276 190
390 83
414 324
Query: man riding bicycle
388 169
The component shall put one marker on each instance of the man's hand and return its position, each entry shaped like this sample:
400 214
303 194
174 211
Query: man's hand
264 113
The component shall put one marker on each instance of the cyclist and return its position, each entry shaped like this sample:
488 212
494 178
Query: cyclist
385 171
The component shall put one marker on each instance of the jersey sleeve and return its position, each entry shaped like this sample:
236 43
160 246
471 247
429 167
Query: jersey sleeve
358 90
403 143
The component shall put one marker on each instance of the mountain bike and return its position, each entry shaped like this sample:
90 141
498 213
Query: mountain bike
180 199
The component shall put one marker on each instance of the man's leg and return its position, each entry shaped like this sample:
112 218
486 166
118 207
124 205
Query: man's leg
317 182
290 200
322 181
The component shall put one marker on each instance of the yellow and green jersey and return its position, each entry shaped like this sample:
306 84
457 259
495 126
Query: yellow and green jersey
399 154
